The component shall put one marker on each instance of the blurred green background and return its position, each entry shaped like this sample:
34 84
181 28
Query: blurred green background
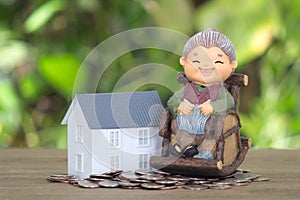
42 44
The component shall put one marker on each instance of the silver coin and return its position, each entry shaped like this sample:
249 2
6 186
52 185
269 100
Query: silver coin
119 180
108 184
152 186
88 184
166 182
143 172
248 176
241 180
61 176
169 187
261 179
223 183
178 178
129 184
161 172
57 179
113 173
139 181
221 187
128 176
51 179
241 184
197 179
101 176
228 181
252 176
180 183
131 188
96 179
195 187
194 182
209 185
213 179
204 182
152 177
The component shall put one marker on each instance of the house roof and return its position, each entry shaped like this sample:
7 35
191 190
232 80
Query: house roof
119 110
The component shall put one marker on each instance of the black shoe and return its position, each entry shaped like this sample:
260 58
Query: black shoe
190 151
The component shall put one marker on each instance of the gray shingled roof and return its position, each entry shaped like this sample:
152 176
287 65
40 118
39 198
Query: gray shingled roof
121 110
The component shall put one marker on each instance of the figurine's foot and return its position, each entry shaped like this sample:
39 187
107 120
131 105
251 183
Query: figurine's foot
175 150
206 154
190 151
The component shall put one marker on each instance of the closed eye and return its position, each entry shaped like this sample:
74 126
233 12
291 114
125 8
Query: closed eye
196 61
218 61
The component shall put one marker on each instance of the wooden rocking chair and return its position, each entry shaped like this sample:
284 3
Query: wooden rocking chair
230 149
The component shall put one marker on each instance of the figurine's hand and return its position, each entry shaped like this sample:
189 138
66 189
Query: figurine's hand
185 108
206 108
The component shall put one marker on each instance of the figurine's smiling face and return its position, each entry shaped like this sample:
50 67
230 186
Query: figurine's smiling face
207 65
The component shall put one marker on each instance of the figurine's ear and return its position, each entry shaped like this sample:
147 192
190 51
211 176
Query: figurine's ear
234 64
182 61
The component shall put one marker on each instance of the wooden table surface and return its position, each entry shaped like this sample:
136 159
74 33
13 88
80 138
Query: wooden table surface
23 174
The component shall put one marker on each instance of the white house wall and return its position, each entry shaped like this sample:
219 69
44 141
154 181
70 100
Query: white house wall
130 141
100 146
129 150
79 146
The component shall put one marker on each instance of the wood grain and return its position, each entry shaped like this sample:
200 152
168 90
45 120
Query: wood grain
23 175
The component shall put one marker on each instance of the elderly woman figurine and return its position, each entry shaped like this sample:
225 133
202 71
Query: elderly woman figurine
208 60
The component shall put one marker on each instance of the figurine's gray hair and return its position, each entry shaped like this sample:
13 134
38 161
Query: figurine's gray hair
210 38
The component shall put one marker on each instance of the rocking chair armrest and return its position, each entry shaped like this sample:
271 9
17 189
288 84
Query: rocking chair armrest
246 80
165 123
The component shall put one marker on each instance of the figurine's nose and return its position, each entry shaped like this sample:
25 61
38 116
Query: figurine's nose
207 65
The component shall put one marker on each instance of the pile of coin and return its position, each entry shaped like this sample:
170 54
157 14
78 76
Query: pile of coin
158 180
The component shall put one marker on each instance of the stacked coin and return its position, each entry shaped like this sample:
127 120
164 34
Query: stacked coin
62 178
158 180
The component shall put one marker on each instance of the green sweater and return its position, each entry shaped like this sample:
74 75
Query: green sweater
224 102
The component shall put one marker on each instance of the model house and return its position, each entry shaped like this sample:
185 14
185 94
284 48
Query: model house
111 131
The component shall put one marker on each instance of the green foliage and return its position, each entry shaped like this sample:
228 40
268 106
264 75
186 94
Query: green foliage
31 86
10 115
42 44
43 14
60 72
251 25
173 14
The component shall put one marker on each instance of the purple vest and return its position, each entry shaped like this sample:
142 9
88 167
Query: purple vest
193 95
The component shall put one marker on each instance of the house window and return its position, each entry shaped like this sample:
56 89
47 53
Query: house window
78 134
143 137
143 161
114 162
79 162
114 138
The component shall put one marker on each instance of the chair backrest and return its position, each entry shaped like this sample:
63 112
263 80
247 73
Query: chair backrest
233 85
